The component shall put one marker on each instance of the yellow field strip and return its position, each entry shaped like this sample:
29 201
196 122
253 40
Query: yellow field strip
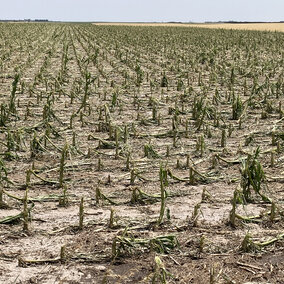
258 26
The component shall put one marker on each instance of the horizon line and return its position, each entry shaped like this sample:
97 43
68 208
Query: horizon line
150 22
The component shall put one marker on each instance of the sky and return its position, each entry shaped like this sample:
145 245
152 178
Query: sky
144 10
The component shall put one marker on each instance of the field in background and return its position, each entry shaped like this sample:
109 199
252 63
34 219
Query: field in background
140 155
257 27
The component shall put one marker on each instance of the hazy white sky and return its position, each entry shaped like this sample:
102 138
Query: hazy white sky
144 10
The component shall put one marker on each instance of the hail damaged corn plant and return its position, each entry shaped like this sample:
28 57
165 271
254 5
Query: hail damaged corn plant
121 145
252 177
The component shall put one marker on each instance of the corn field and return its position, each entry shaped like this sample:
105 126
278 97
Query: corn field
139 154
